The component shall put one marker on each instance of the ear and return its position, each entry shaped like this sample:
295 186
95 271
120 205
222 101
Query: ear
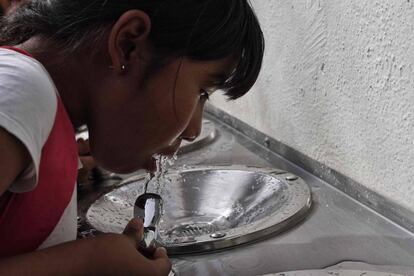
4 6
128 38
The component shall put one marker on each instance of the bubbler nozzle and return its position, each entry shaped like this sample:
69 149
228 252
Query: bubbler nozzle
149 208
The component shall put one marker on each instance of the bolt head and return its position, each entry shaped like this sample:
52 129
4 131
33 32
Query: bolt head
291 177
218 235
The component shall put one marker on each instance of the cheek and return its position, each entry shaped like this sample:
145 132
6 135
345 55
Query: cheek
187 100
129 129
174 98
121 134
172 110
118 150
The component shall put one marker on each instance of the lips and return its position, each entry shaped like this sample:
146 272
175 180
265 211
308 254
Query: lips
151 165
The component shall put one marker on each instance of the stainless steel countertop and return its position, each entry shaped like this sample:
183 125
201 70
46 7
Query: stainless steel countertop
338 228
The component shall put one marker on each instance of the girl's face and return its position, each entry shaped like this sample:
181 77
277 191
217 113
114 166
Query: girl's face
132 119
133 115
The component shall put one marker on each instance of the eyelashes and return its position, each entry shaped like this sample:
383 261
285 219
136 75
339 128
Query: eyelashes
204 94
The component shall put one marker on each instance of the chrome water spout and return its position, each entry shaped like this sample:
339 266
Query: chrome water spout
149 208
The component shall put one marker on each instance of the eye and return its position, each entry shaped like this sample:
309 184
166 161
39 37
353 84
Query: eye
204 94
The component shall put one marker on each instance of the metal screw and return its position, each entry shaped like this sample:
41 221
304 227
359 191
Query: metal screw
291 177
267 142
218 235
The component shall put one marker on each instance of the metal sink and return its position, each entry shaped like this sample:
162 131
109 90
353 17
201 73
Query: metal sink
210 208
335 273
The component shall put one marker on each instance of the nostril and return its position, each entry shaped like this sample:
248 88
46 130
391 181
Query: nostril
193 130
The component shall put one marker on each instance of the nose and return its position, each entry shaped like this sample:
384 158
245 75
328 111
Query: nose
193 129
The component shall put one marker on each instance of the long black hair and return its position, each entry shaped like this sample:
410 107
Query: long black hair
198 29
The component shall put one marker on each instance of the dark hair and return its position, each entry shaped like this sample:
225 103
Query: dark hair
197 29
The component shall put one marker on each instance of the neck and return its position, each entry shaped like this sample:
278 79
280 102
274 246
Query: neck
68 74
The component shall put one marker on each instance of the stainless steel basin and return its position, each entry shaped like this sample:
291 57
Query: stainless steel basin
334 273
211 208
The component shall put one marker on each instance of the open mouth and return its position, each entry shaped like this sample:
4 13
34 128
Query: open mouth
151 165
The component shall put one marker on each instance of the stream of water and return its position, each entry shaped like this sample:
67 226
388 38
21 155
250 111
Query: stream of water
158 177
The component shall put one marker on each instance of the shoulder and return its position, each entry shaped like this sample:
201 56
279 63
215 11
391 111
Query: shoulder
28 105
22 77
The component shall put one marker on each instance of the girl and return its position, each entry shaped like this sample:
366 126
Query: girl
142 69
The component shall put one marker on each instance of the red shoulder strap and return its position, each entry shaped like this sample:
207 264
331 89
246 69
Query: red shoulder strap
21 51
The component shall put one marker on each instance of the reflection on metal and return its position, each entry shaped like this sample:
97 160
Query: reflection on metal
291 177
211 208
149 208
218 235
82 133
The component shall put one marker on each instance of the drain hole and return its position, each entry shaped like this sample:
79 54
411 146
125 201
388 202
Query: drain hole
190 230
